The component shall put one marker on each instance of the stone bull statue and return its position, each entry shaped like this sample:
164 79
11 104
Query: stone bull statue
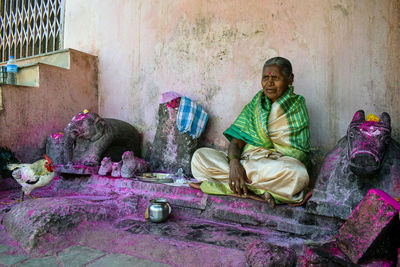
88 138
367 157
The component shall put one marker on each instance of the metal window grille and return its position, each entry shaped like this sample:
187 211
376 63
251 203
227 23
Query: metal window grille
30 27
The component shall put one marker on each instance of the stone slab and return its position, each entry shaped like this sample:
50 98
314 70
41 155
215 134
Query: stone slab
311 258
328 254
372 221
3 248
187 201
36 222
197 231
129 196
319 205
77 256
76 169
10 259
50 261
398 257
207 232
122 260
280 218
269 255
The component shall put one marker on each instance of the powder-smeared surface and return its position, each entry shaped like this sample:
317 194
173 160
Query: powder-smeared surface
363 234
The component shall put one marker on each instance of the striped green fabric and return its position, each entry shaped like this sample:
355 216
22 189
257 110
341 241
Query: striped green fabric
251 125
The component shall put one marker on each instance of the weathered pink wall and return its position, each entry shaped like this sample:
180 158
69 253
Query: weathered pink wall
32 113
345 56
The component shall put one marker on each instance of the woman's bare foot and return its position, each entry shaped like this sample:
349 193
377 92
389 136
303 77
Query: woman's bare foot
195 185
306 198
269 199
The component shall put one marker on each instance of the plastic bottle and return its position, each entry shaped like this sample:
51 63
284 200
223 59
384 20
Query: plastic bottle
12 70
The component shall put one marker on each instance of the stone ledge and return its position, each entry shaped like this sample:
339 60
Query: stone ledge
76 169
187 201
41 219
29 68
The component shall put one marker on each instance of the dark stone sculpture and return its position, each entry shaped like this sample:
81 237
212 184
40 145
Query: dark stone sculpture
55 147
171 149
88 138
364 159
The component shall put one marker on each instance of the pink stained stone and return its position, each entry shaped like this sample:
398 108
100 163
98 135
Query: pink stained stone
398 257
373 218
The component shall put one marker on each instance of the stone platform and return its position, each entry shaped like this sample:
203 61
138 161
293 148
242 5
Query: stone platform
110 212
189 202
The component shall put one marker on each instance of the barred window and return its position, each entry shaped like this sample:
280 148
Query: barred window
30 27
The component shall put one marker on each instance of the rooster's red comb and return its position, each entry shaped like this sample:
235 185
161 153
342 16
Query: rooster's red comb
48 159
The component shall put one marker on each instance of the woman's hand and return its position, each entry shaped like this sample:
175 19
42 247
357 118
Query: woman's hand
237 177
237 173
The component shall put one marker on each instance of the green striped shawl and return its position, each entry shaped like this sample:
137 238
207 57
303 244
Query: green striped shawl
287 130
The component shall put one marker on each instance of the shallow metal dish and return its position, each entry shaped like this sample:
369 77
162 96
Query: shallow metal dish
156 177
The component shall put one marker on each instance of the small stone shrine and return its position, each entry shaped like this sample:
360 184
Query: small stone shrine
171 149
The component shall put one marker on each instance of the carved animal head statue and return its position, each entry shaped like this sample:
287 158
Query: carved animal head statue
86 125
367 142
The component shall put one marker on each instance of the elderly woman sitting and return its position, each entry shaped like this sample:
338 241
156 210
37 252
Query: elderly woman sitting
269 144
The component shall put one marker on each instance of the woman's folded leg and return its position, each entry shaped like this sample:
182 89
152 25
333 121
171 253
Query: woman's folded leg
284 178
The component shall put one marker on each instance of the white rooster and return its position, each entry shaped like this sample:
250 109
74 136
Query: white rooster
31 176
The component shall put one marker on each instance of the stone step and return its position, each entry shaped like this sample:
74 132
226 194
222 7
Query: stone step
191 202
29 68
207 232
59 218
211 222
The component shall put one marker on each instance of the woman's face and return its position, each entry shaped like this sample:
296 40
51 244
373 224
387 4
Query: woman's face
274 82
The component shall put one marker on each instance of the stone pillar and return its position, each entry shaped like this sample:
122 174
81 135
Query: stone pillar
171 150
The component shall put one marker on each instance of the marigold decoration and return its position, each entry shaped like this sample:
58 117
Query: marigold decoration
372 117
85 111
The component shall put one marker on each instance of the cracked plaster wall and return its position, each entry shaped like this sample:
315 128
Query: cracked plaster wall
345 56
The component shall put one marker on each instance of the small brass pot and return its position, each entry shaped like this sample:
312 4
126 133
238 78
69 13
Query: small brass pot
159 210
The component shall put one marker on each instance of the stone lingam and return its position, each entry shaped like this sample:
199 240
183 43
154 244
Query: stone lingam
87 139
366 158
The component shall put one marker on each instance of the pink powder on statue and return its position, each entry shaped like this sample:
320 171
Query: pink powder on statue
387 198
57 135
80 116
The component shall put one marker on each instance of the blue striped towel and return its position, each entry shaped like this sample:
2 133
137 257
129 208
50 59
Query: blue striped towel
191 118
